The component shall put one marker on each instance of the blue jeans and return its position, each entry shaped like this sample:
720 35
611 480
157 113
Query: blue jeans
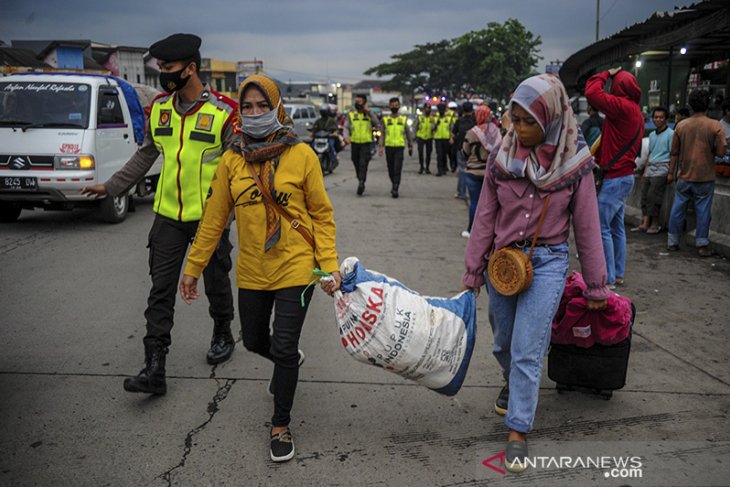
474 186
522 326
701 194
461 179
611 204
333 150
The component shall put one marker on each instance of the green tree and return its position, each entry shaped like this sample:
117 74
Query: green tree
494 60
427 65
489 62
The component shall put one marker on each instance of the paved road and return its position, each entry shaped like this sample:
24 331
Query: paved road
72 293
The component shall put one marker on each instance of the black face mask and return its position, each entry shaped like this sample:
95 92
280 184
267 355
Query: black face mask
359 106
394 111
173 81
324 114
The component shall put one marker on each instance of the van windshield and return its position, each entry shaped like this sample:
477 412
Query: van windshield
44 104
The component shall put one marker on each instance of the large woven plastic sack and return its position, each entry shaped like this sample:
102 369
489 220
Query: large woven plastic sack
425 339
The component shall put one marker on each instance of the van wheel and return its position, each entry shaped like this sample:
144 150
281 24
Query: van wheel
9 212
114 210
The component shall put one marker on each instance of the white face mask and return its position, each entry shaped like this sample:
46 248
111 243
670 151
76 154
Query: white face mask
261 126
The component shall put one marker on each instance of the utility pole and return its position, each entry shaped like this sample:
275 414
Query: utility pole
598 16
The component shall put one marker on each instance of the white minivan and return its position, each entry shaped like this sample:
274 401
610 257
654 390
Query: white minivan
303 115
60 132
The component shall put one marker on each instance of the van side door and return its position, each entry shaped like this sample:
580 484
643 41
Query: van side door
114 135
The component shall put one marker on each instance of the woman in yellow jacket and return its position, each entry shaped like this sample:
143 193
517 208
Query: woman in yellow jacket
275 261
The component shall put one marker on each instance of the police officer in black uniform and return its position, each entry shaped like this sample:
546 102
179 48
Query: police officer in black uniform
191 125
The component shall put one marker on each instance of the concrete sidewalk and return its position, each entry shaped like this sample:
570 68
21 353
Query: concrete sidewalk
72 293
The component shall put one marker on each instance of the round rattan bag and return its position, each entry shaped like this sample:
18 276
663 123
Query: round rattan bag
510 271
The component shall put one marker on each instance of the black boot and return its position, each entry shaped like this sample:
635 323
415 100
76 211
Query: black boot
222 343
361 188
151 379
394 191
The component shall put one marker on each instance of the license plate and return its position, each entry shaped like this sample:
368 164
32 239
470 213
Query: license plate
18 184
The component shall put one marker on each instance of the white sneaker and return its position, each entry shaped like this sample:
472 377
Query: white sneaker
465 234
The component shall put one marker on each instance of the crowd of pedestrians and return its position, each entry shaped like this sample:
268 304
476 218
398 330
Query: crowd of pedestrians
528 176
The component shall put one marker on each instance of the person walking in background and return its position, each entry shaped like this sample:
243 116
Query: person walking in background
543 165
441 136
654 175
461 126
620 144
395 136
725 120
592 126
424 138
190 126
358 130
504 121
681 114
266 175
455 112
479 142
328 123
696 142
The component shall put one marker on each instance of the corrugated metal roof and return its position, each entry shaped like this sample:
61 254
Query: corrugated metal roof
26 58
704 27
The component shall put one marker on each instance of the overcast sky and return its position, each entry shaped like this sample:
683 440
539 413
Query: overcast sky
317 39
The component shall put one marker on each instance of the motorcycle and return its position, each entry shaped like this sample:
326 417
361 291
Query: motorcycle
320 144
376 142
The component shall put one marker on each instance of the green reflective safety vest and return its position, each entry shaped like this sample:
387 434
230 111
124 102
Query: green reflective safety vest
191 146
425 127
361 128
443 126
395 130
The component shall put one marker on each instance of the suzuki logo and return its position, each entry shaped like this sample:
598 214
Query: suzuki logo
20 163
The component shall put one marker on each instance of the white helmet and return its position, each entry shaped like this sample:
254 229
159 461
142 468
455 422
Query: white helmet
452 104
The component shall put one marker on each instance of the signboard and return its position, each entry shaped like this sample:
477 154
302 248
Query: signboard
553 68
244 69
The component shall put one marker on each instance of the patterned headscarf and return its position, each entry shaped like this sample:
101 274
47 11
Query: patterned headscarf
487 133
563 156
483 114
267 151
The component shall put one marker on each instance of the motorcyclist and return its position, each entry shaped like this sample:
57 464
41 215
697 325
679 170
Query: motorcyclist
327 123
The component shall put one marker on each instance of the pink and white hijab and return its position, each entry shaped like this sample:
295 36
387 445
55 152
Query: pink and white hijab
563 157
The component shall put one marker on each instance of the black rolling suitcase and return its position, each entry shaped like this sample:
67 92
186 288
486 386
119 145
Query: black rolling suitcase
600 369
